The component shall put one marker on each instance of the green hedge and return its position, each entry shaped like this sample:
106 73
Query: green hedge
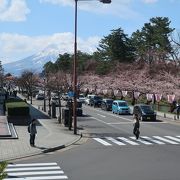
17 108
14 100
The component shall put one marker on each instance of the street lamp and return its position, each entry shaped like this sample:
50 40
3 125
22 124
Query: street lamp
44 94
75 64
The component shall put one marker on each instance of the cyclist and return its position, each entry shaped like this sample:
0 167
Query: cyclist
136 131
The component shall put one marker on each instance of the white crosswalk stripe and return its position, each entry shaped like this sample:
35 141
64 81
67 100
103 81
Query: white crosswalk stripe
102 141
143 140
173 138
152 140
165 140
128 141
34 171
115 141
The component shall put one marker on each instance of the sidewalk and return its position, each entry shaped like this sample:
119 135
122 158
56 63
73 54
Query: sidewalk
50 136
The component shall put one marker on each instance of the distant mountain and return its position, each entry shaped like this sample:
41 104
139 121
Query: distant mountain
33 63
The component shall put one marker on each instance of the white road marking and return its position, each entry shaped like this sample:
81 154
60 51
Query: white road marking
173 138
152 140
165 140
120 117
101 115
31 169
35 173
115 141
32 164
39 178
127 141
120 123
102 142
141 140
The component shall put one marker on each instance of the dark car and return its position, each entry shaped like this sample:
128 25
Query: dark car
95 101
106 104
144 112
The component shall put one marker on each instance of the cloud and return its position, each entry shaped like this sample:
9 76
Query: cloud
13 10
14 47
117 8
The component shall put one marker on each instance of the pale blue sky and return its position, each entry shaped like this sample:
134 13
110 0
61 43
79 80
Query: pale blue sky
28 26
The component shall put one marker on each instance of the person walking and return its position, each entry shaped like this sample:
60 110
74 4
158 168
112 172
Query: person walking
32 131
136 131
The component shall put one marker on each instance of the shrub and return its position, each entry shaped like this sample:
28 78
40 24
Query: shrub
2 169
17 108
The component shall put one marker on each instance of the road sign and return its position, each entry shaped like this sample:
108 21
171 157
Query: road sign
71 94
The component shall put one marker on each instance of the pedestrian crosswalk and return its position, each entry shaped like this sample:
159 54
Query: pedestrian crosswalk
143 140
34 171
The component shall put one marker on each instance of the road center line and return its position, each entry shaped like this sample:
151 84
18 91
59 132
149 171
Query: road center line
101 115
120 117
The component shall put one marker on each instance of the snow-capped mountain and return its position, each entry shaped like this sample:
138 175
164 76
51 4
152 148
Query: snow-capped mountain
33 63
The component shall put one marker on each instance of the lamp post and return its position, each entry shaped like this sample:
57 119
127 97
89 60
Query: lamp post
75 64
44 94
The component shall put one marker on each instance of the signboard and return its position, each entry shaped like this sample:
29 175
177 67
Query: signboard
71 94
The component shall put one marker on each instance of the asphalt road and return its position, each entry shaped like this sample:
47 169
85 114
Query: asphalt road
108 150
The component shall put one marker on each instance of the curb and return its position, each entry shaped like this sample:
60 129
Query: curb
45 151
61 146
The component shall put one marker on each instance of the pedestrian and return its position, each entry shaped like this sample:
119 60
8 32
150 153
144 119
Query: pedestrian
32 131
178 110
136 131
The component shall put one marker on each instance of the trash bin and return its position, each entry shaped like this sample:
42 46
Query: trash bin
53 106
79 112
65 116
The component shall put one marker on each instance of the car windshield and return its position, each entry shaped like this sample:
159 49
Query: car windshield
122 104
109 101
147 109
97 97
55 98
81 96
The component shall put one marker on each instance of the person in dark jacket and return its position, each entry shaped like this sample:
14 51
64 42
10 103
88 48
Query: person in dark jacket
136 131
32 132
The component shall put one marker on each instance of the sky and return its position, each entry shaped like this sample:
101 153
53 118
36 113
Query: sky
30 26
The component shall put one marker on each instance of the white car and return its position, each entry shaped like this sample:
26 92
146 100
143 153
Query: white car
40 96
87 99
55 100
65 97
81 98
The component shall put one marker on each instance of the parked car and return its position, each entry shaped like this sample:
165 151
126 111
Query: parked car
106 104
95 101
120 107
88 97
144 112
79 110
40 96
65 97
55 100
81 98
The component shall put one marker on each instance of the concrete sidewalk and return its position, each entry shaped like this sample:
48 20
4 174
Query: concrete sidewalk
50 136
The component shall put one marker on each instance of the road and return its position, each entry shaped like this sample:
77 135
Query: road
108 150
